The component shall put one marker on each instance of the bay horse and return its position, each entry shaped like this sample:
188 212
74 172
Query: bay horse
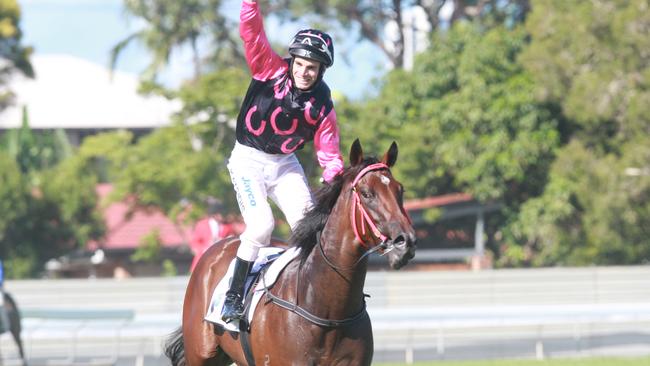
315 312
14 325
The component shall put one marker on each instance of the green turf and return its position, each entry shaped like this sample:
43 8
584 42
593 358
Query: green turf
637 361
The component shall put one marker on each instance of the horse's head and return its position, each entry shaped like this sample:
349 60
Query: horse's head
378 215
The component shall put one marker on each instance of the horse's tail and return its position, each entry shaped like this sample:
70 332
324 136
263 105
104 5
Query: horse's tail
175 348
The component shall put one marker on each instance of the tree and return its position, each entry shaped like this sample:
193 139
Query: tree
49 219
180 165
589 58
12 195
212 104
15 55
590 212
171 25
466 118
35 151
370 18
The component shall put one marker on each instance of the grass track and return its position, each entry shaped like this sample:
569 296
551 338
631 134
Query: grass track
632 361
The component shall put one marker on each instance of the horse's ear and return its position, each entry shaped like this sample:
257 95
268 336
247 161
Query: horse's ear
391 155
356 154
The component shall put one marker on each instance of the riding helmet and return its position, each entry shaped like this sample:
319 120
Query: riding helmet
313 44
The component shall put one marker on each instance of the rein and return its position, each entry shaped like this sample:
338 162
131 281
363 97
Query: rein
296 309
366 220
374 249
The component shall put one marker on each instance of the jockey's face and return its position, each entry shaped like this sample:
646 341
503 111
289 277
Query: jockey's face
304 72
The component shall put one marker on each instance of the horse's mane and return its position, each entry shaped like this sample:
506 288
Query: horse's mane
325 197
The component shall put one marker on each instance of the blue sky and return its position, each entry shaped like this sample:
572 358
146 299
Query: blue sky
89 28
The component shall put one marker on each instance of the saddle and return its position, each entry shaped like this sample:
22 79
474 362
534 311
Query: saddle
269 263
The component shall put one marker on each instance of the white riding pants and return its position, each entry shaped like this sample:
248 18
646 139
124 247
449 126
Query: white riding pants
258 176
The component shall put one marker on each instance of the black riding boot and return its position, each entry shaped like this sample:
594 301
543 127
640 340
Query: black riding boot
233 307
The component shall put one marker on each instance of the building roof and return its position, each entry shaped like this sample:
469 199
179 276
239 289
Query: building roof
437 201
126 231
72 93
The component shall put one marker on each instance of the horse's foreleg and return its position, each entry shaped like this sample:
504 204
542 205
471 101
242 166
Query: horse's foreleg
19 343
14 324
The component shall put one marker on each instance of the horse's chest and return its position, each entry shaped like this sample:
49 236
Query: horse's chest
336 349
317 348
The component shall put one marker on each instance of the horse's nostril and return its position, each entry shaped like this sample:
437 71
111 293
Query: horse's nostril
399 241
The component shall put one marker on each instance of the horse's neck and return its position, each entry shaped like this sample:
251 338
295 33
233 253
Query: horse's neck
341 274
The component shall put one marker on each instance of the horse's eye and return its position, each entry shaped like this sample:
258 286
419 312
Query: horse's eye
366 193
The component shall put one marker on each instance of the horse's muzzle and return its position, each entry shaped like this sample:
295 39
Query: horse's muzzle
402 249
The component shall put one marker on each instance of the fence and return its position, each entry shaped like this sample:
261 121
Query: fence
533 313
416 315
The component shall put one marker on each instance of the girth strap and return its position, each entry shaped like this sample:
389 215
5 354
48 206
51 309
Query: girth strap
296 309
244 327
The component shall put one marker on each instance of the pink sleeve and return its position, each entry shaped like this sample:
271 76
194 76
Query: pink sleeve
263 62
326 142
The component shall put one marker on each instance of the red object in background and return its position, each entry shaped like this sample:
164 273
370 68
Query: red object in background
204 235
125 231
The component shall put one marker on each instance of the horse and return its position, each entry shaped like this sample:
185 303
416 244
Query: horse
315 313
14 325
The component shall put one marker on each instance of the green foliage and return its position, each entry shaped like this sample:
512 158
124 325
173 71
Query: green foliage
547 120
35 151
169 269
15 56
149 249
171 25
590 58
105 155
368 20
184 163
50 204
12 196
217 94
18 267
164 170
465 118
590 212
59 216
431 215
70 187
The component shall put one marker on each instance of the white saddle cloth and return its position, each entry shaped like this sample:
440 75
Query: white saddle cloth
265 255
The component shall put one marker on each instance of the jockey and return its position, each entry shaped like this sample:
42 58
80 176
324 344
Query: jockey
4 317
287 105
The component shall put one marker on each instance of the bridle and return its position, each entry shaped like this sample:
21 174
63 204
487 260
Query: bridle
384 245
357 206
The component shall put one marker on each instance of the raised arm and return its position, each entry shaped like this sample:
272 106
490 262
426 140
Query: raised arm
263 62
